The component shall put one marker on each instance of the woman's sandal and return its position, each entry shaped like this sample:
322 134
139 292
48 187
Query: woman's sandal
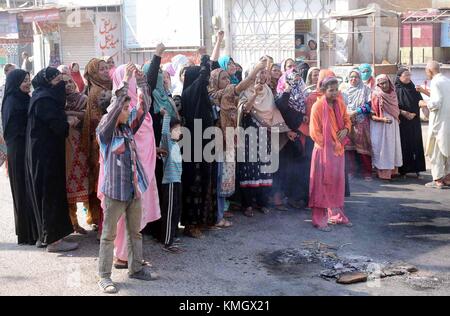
79 230
174 249
249 212
325 229
224 224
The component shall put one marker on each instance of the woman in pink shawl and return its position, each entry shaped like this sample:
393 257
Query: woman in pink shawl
385 129
147 152
330 125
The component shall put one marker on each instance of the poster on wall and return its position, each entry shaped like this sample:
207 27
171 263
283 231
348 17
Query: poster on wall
108 35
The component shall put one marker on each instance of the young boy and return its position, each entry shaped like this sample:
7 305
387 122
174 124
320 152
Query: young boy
171 184
124 179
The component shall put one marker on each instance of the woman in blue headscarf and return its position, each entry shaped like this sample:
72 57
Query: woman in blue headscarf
227 63
367 76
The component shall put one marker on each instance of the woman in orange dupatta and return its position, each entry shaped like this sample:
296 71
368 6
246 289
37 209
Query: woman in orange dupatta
330 125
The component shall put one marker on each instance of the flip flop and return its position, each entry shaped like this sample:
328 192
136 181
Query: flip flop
224 224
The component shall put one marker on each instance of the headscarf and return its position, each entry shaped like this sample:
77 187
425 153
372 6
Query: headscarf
93 78
282 82
297 100
117 78
283 64
388 101
64 69
407 95
14 100
223 62
359 95
367 77
169 68
75 101
303 70
265 110
161 99
225 98
309 76
195 98
76 76
97 88
44 89
273 82
339 110
178 64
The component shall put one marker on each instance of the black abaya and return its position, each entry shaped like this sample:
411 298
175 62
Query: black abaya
46 162
199 178
410 130
14 120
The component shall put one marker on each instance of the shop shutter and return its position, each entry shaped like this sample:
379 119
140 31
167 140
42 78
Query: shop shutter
77 44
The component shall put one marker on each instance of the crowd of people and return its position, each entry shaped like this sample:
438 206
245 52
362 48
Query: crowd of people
110 140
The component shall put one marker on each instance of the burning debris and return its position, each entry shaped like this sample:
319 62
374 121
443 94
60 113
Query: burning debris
349 270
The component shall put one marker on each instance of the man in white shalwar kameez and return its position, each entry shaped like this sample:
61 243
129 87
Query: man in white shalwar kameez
438 146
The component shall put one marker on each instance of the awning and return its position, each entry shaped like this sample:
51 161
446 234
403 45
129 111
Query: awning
362 13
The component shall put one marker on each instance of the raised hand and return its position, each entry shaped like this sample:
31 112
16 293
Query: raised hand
138 74
220 36
160 49
129 71
259 88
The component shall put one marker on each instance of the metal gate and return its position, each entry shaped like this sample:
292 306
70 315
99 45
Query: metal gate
267 27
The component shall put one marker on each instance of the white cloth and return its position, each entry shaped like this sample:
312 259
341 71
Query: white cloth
439 106
440 165
386 144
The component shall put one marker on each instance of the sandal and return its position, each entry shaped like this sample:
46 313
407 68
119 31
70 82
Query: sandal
173 249
107 286
79 230
224 224
249 212
435 185
325 229
194 233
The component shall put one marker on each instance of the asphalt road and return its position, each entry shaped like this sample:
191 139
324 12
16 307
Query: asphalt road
399 221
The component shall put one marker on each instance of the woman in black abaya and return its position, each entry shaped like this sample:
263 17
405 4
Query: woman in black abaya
14 119
410 124
199 178
47 129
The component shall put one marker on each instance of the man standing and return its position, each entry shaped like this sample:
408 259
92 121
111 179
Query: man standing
438 146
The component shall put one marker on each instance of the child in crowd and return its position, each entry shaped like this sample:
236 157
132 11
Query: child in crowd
124 179
171 204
